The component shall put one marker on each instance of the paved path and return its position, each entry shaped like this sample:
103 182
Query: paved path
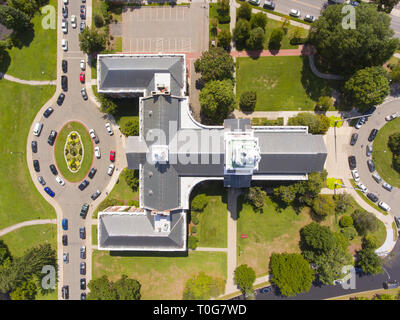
211 249
26 224
28 82
320 74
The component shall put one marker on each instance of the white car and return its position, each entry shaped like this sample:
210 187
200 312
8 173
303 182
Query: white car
360 122
65 1
64 26
83 65
66 257
392 116
73 21
362 187
110 169
356 177
255 2
109 130
64 44
60 180
93 136
294 13
97 152
384 206
309 18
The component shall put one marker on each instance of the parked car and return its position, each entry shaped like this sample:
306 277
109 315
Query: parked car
255 2
82 26
64 66
353 139
392 116
372 135
64 26
64 44
83 283
369 150
82 233
360 122
92 173
53 169
65 1
60 99
41 181
83 12
295 13
112 155
110 169
52 137
84 94
354 3
83 185
64 224
269 5
49 192
82 77
65 240
73 21
84 210
82 252
377 177
372 197
64 83
94 136
384 206
352 162
97 152
95 195
362 187
82 65
83 296
66 257
36 165
371 165
356 177
387 186
108 128
369 111
397 221
48 112
83 268
37 129
34 146
60 180
309 18
64 11
65 289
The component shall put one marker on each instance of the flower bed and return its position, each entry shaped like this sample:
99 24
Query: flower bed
73 151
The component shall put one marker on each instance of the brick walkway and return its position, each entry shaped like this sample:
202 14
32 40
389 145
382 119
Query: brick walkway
301 50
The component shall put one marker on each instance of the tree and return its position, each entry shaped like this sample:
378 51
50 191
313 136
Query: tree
256 197
248 100
223 8
323 206
316 240
394 143
4 253
324 104
224 39
217 100
364 222
107 104
192 242
131 127
367 87
386 5
199 203
25 291
317 123
275 39
203 287
244 11
127 289
256 39
370 241
98 21
368 260
258 20
345 51
215 64
244 278
346 221
29 7
92 41
241 32
349 232
286 194
101 289
14 19
343 201
291 273
395 74
132 178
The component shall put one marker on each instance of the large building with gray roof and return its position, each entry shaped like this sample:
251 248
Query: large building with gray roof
173 152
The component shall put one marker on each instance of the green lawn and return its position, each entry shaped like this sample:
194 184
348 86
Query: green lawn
285 43
212 228
37 58
281 83
161 277
214 14
87 151
20 200
382 159
118 44
94 235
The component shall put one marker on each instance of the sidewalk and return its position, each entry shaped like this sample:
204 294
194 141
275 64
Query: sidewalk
27 82
26 224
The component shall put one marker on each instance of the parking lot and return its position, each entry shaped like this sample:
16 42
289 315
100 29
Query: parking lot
165 29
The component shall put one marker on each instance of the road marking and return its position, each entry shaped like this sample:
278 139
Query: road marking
307 5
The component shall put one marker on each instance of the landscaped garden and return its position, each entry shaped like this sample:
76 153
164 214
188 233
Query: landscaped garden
74 151
20 200
281 83
161 277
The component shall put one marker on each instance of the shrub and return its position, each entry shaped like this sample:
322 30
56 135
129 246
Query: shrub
323 206
275 39
258 20
244 11
98 21
256 197
199 203
346 221
131 127
324 103
394 143
241 32
224 19
349 232
370 241
195 218
256 39
248 100
192 242
317 123
132 178
364 222
224 39
193 229
133 203
343 201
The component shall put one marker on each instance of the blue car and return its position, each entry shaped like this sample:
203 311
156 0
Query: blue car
64 224
354 3
49 192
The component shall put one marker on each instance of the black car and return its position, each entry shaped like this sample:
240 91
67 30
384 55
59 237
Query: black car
36 165
48 112
65 240
372 197
370 111
83 283
372 135
83 296
82 252
52 137
371 165
82 232
53 169
60 99
83 12
397 221
269 5
95 195
34 146
84 210
83 185
64 83
354 138
352 162
65 292
92 173
64 65
83 268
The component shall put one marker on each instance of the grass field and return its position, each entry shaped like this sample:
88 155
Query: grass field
94 235
285 43
281 83
87 151
382 159
212 228
36 59
20 200
162 278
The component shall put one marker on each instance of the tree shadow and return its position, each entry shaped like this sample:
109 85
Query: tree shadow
148 254
23 39
5 63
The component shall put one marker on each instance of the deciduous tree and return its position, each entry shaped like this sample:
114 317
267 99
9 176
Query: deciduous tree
215 64
244 278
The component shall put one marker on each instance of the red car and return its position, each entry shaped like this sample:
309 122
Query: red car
112 155
82 77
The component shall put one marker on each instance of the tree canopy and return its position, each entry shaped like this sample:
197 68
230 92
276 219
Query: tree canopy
244 278
369 261
244 11
386 5
364 222
14 19
256 39
317 123
123 289
256 197
215 64
92 41
29 7
241 32
203 287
